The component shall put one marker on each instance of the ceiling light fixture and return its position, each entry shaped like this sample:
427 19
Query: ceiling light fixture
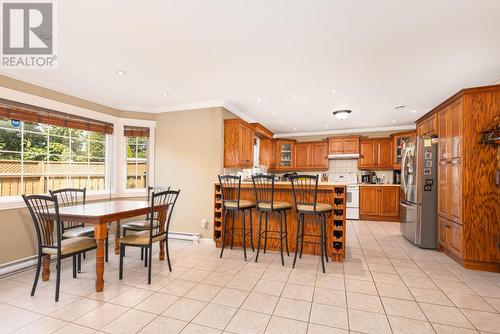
281 122
399 106
413 111
334 91
295 128
393 121
341 114
273 114
259 100
294 96
165 93
121 73
326 125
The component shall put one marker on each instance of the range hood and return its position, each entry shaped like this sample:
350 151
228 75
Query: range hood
343 156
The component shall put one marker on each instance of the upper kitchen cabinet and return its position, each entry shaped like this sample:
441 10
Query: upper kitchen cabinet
399 140
238 144
343 145
267 153
376 154
311 155
428 125
284 154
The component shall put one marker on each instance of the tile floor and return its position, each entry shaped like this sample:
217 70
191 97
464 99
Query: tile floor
386 285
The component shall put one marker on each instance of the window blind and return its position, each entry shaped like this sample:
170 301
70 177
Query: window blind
135 131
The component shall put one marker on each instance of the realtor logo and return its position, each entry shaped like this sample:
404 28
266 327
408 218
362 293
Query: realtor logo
28 35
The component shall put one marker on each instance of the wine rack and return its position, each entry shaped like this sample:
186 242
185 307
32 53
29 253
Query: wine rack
218 215
337 238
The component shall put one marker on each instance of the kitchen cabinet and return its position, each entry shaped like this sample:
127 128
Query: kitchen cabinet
311 155
343 145
284 155
450 236
238 144
379 202
428 125
399 141
267 153
376 154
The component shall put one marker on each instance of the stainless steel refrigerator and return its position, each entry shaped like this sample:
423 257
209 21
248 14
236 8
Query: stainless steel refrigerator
418 207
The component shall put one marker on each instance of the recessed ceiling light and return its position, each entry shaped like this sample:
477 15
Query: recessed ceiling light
341 114
259 100
334 91
294 96
165 93
273 114
393 121
399 106
413 111
121 72
281 122
326 125
363 124
295 128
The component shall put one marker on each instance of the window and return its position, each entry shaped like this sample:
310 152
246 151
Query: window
36 157
136 145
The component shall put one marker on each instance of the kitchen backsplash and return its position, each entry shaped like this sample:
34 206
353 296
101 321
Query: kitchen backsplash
351 166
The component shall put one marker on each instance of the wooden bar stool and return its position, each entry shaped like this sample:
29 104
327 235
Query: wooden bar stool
263 186
305 193
230 186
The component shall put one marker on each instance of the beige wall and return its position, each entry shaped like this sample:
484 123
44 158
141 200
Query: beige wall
189 148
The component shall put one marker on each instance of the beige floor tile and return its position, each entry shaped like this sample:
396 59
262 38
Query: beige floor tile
129 322
361 287
330 282
217 279
203 292
298 291
419 282
248 322
111 290
301 277
230 297
360 275
268 287
278 325
260 303
293 309
320 329
242 283
484 321
394 290
403 308
164 325
382 268
76 309
12 318
215 316
329 315
470 302
495 302
368 322
431 296
410 326
277 274
43 325
43 301
184 309
74 329
197 329
445 315
445 329
101 316
178 287
131 297
156 303
364 302
330 297
454 287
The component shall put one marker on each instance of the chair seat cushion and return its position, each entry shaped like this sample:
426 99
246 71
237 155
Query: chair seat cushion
243 204
83 231
139 225
72 245
276 205
320 207
140 238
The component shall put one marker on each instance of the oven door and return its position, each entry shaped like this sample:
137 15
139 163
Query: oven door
352 196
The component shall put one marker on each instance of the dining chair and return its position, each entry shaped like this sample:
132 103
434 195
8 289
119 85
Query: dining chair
143 225
305 194
44 212
163 203
72 229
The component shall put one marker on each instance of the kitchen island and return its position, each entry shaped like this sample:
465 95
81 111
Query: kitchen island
328 193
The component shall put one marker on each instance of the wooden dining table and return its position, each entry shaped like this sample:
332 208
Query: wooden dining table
100 214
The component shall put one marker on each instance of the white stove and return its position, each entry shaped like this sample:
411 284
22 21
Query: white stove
352 192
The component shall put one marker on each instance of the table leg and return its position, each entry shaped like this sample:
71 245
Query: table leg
100 234
46 267
117 238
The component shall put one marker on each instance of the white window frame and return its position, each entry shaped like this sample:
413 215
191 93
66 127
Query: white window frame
114 143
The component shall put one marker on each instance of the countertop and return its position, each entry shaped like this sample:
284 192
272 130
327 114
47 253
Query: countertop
378 185
280 183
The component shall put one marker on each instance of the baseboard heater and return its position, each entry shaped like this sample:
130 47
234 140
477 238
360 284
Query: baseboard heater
14 267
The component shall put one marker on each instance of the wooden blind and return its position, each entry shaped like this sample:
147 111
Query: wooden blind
28 113
135 131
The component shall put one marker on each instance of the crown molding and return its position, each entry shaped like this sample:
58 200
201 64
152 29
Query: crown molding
346 131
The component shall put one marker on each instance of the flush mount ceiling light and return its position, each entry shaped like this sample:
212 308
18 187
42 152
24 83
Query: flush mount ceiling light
121 73
259 100
294 96
334 91
165 94
399 106
413 111
341 114
393 121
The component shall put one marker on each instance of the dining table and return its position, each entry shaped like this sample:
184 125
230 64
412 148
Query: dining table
100 214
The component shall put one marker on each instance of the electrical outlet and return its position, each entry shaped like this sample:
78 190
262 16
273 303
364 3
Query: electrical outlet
204 223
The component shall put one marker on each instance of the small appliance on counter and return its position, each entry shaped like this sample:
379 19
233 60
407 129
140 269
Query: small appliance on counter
396 177
368 177
286 176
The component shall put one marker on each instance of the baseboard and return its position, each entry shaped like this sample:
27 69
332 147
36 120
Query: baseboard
194 237
208 241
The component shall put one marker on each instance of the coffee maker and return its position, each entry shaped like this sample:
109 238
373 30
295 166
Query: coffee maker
368 177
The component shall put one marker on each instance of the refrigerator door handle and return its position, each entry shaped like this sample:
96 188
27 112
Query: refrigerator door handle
403 170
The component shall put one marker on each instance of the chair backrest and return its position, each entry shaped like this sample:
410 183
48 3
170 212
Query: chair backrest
67 197
305 189
263 187
230 186
166 200
155 189
44 212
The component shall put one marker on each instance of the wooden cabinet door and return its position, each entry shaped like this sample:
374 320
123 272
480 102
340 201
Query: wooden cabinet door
454 192
455 242
246 146
384 153
455 120
442 207
388 201
351 145
267 153
442 228
302 155
368 201
319 158
335 146
367 154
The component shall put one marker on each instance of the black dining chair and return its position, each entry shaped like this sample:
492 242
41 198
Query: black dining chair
143 225
44 212
72 229
305 194
163 203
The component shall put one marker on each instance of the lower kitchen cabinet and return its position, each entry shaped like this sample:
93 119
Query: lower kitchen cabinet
450 236
379 202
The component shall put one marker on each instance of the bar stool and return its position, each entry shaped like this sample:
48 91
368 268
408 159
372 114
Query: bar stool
305 193
263 186
230 186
